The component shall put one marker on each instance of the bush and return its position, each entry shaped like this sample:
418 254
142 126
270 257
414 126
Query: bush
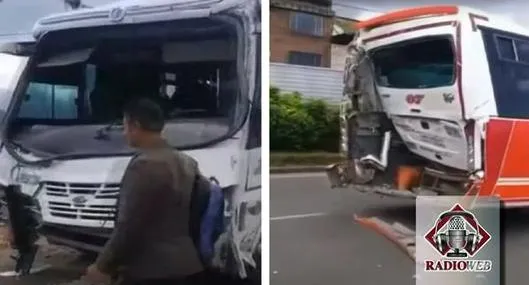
300 124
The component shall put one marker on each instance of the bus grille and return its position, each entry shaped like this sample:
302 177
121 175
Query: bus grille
99 200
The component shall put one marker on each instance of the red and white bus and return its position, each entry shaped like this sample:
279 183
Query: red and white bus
435 103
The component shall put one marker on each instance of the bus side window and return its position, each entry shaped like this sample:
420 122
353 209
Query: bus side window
37 103
65 103
47 101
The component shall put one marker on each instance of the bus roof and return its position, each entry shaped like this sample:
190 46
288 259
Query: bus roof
491 20
407 14
132 11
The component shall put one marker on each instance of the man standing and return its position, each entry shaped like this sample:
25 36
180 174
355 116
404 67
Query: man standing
151 242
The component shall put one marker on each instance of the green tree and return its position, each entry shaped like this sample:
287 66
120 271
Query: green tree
298 124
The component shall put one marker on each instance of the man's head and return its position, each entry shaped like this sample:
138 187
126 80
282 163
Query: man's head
143 121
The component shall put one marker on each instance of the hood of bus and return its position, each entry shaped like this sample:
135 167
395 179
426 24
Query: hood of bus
221 161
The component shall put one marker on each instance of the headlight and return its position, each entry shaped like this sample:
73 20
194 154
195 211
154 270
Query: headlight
26 176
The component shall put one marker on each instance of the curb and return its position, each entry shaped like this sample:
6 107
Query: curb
298 169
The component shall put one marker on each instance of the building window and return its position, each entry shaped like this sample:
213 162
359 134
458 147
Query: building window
304 58
307 24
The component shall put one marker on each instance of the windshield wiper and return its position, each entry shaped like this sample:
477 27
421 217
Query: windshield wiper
102 133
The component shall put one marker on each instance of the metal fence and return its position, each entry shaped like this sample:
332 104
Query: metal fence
311 82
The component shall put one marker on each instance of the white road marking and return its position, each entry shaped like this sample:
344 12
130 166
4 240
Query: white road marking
290 217
36 269
297 175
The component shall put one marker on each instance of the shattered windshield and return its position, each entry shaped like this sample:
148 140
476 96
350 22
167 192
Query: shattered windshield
76 92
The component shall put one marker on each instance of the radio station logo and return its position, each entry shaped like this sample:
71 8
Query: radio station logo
457 236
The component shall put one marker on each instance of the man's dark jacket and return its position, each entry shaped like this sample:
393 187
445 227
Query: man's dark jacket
151 238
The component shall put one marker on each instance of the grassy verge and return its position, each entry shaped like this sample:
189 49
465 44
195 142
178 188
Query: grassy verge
302 159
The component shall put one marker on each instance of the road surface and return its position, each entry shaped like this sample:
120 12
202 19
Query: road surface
63 266
314 239
68 266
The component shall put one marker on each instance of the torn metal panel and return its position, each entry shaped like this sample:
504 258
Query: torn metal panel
395 232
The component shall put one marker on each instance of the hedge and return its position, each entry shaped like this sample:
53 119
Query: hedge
301 124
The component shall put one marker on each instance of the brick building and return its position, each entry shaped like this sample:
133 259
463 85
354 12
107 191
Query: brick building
301 31
308 43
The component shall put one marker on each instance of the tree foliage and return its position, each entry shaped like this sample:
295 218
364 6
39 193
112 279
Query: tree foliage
301 124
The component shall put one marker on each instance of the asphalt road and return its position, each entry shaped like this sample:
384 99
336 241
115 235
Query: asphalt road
314 239
63 267
66 267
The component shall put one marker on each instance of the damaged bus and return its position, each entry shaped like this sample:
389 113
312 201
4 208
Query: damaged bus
62 98
435 103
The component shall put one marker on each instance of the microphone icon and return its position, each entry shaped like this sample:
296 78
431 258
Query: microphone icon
457 236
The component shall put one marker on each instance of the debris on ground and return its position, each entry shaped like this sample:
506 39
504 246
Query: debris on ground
397 233
59 265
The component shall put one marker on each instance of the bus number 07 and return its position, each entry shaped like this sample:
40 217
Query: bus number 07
414 99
